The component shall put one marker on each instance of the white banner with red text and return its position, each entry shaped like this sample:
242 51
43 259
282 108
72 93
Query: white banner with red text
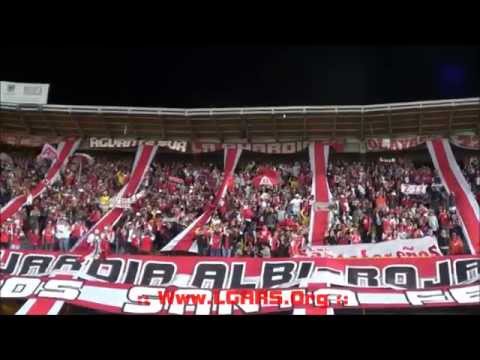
411 189
423 247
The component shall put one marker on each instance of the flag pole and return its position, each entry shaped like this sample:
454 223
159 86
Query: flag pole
80 171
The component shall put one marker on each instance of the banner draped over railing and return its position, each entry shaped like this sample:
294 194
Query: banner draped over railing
185 240
64 151
454 181
319 213
426 246
118 283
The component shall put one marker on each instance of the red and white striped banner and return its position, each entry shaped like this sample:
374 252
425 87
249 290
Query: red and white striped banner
117 283
454 182
185 241
318 153
143 159
65 150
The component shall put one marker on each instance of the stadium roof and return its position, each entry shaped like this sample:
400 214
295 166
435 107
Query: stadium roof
443 117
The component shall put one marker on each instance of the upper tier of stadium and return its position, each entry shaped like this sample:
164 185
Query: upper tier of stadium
293 123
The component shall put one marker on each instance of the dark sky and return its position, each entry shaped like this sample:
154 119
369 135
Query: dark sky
246 75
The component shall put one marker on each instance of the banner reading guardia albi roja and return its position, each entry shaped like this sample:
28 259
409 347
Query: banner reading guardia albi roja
117 283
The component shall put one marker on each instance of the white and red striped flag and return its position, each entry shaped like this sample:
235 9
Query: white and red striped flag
48 152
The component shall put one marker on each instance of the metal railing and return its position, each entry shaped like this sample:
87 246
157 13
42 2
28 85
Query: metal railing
300 110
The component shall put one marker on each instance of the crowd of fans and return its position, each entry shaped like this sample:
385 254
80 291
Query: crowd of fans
370 205
367 205
471 171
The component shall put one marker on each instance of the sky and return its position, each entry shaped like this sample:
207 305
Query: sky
219 76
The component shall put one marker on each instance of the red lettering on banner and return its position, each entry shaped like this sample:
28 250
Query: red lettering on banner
288 148
432 250
196 148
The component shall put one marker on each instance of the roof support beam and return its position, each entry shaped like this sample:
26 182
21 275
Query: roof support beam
245 129
164 130
450 121
335 126
192 130
219 130
304 127
390 132
478 123
420 122
362 127
275 128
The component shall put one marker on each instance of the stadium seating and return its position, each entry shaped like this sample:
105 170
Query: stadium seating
264 214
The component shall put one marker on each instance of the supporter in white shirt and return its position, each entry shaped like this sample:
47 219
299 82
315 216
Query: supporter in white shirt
296 202
433 221
296 169
361 190
265 196
62 233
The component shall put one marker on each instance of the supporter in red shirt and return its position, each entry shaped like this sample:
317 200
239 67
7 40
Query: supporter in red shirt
264 235
247 213
456 245
34 238
16 239
93 217
380 202
4 237
295 245
48 236
78 230
418 233
443 219
355 238
275 242
215 242
146 243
